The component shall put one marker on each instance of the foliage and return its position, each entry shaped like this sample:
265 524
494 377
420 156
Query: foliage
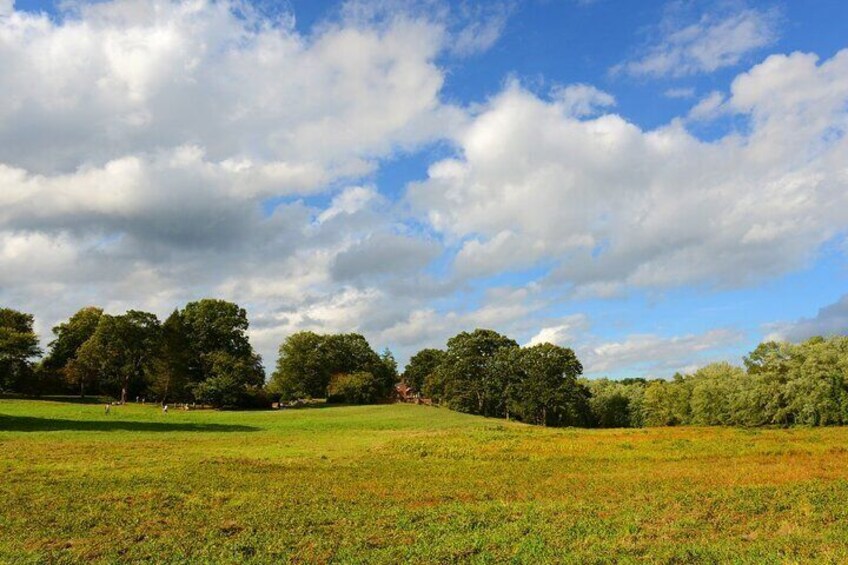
18 345
421 366
308 361
120 355
214 326
354 388
70 336
171 375
232 382
464 380
616 404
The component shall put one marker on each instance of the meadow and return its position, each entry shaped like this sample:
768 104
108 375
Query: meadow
405 483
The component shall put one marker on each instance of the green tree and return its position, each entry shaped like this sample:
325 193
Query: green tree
233 380
214 326
120 355
765 400
612 403
549 392
463 380
18 345
171 371
714 389
69 337
817 390
666 403
420 366
303 367
308 361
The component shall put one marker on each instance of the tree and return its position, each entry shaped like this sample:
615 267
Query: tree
214 326
611 403
303 367
386 375
171 371
764 400
463 380
548 392
666 403
714 388
18 345
420 366
308 361
70 335
232 381
120 354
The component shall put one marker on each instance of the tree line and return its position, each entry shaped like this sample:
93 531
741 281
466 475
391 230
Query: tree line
201 353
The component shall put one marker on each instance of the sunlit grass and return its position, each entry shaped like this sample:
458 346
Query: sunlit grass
408 483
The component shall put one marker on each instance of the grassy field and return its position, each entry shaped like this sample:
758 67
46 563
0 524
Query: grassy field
389 484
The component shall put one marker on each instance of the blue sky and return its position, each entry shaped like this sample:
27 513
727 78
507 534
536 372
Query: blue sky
657 184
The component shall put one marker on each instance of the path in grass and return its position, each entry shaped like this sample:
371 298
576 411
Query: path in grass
400 483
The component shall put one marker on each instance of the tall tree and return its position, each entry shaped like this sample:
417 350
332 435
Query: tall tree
549 392
463 378
214 326
171 373
18 345
70 335
120 354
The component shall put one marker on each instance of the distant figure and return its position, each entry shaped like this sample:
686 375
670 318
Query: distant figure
165 408
108 409
137 399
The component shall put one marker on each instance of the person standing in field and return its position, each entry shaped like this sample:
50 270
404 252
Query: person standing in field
164 408
108 409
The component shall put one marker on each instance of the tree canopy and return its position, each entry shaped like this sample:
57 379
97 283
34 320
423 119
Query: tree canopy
18 345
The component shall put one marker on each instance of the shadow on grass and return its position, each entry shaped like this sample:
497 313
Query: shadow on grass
30 424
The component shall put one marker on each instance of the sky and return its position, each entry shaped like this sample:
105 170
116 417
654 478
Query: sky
655 184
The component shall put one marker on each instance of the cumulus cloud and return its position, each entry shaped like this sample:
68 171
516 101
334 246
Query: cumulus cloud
581 100
714 41
708 108
156 152
561 334
830 320
653 355
153 153
607 206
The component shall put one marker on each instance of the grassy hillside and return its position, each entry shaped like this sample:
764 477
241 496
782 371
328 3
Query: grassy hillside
408 483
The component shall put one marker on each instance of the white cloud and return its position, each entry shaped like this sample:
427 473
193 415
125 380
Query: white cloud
713 42
582 100
609 206
561 334
681 92
708 107
653 355
830 320
140 142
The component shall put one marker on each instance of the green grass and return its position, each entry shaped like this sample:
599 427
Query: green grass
402 483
